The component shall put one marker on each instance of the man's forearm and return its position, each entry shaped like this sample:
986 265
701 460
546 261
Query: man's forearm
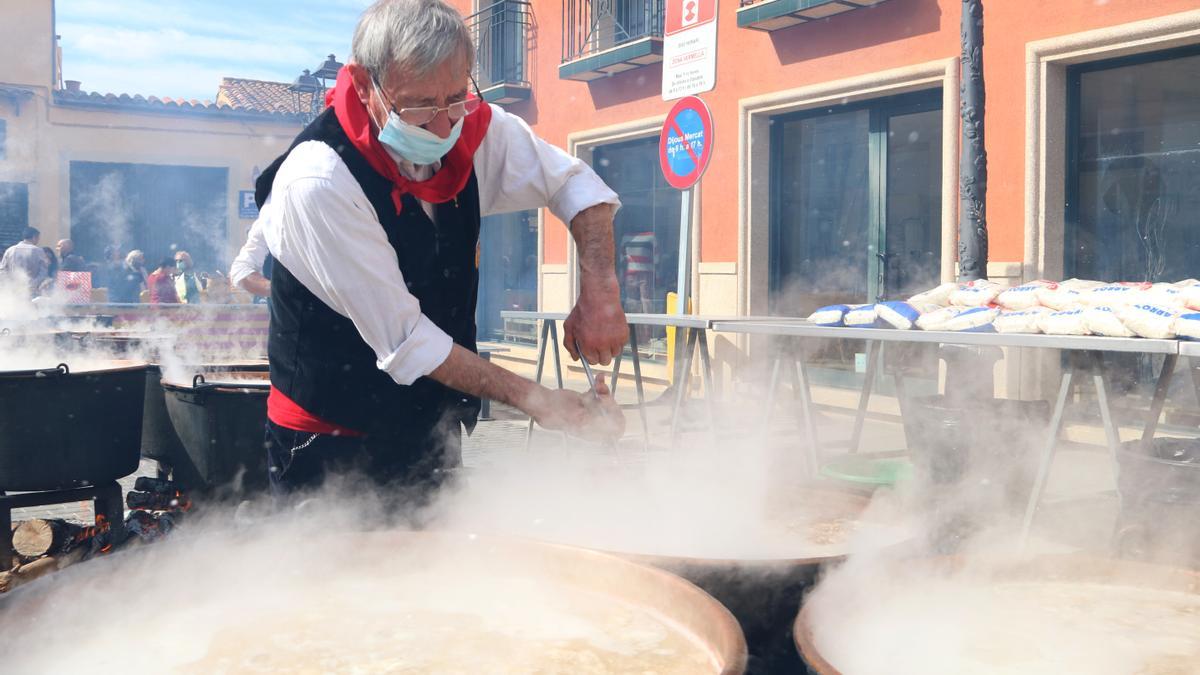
257 284
466 372
592 229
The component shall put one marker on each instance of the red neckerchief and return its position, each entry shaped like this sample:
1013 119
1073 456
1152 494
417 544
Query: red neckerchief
456 167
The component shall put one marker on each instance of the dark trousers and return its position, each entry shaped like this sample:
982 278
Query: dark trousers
298 461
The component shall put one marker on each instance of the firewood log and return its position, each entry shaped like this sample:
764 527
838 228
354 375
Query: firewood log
36 538
38 568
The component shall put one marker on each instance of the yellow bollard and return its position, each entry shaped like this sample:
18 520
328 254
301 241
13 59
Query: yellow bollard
672 298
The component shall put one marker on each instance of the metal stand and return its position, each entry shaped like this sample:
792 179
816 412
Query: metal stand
1092 362
107 496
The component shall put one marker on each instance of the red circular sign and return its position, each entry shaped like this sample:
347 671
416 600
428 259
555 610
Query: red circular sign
685 144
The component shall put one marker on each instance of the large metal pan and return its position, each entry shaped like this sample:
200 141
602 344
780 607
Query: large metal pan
1074 569
374 560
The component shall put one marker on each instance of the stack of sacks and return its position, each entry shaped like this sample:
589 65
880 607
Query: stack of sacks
1071 307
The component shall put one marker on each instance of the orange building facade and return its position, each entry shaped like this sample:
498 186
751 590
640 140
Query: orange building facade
835 170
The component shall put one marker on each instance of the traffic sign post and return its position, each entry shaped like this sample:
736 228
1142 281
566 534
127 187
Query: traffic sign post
685 147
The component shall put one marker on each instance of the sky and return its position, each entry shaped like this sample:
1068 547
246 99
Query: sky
182 48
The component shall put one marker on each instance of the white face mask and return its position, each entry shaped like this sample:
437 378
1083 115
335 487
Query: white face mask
416 144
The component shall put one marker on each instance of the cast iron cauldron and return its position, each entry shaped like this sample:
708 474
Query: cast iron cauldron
219 417
62 428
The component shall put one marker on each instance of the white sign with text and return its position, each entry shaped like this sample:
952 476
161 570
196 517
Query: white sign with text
689 48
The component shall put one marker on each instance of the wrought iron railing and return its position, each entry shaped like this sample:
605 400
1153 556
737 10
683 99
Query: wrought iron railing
591 26
501 34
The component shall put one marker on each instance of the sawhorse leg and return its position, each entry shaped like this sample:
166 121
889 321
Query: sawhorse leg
683 380
706 374
808 412
637 382
547 339
874 355
1160 397
1047 456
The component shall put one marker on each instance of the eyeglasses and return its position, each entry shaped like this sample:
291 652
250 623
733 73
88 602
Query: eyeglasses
422 115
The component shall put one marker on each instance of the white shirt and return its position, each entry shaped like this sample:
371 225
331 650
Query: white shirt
319 224
26 259
252 256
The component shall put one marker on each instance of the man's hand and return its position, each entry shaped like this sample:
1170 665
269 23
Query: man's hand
593 418
597 322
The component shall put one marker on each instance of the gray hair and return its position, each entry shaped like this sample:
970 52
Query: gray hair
415 35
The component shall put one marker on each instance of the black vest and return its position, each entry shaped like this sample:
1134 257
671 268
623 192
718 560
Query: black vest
319 360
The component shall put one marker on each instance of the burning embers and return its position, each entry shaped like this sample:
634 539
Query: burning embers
156 505
42 546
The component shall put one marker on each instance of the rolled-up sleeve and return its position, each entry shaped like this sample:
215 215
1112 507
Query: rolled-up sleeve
519 171
253 254
337 249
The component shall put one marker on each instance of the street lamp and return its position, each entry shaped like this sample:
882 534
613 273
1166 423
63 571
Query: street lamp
328 70
306 91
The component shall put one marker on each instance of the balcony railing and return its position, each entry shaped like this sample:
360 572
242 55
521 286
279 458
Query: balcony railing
769 15
601 37
501 34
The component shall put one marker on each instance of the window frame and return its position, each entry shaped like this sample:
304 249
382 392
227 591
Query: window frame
880 110
1074 123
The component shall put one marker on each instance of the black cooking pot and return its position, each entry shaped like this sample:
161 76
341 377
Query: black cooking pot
62 429
160 442
1163 470
220 424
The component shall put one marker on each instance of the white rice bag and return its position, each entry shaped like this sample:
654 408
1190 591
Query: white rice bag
900 315
862 316
1166 295
1190 296
1114 295
1104 321
1021 297
937 319
974 320
1186 283
1060 298
1022 321
939 296
1082 284
1149 321
978 293
832 315
1066 322
1187 326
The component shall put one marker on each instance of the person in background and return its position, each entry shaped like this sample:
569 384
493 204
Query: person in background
127 284
24 259
187 284
51 272
161 283
110 270
68 261
249 269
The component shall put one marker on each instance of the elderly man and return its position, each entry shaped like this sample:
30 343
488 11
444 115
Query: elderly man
372 218
68 261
